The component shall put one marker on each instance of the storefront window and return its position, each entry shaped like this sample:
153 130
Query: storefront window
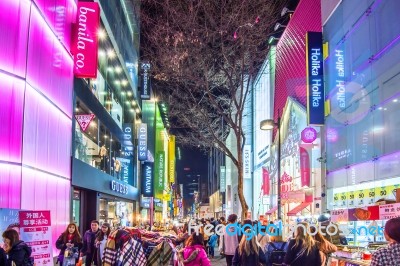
99 148
116 212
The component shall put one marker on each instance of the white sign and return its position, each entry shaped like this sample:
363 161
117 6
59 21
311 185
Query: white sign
389 211
247 162
36 232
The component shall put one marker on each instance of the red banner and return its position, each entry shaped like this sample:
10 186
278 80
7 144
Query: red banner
266 181
84 120
304 167
84 40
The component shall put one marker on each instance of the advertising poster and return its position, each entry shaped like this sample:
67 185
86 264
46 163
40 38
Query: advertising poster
8 217
338 216
35 230
389 211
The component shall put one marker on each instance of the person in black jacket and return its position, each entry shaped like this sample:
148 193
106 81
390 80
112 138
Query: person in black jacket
89 249
17 250
70 238
249 252
303 249
3 257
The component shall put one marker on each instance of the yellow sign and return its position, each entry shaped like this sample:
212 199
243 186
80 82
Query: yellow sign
166 197
171 159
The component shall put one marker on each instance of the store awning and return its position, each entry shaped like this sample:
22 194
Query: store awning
271 211
298 208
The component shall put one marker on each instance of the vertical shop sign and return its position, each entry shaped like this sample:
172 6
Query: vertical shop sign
142 142
147 180
305 167
36 231
171 159
84 121
127 145
315 81
247 162
145 81
84 41
159 174
222 185
266 182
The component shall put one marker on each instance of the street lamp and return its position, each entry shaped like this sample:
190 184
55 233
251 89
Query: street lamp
269 124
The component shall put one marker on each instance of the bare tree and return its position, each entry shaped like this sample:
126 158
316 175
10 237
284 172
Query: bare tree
203 55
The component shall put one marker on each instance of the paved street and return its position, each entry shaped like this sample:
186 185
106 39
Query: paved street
218 261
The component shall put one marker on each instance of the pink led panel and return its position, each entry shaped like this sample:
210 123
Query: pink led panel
49 64
14 21
290 54
59 14
11 116
10 186
42 191
47 135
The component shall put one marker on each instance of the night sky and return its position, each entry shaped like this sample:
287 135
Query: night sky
197 162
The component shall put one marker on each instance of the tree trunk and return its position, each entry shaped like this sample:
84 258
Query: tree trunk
243 203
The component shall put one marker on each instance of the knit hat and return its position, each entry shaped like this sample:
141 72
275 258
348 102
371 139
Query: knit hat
232 218
392 229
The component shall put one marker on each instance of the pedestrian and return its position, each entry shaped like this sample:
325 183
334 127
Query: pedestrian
101 241
194 253
302 249
18 252
89 248
263 237
70 238
389 255
276 249
325 247
212 242
229 242
3 257
249 252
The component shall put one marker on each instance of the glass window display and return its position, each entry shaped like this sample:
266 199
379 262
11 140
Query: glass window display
117 213
99 148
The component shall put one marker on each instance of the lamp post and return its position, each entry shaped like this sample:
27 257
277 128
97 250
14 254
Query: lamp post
269 124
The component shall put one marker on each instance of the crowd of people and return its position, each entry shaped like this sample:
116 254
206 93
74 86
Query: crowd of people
196 245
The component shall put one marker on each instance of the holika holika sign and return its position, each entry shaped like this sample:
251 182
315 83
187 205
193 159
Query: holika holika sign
315 81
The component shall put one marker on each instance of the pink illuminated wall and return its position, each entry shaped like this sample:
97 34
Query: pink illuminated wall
290 54
36 86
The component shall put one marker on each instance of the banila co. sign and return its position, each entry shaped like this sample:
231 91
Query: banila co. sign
118 187
147 180
315 81
84 40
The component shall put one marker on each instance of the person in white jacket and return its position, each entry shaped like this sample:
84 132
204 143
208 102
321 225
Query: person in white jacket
229 242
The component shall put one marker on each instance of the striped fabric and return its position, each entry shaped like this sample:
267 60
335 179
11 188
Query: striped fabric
161 255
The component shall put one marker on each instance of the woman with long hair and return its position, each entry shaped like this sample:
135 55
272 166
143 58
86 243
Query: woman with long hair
194 253
303 249
69 239
101 240
249 252
325 247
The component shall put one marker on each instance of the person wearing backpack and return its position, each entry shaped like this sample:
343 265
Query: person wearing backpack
18 252
275 251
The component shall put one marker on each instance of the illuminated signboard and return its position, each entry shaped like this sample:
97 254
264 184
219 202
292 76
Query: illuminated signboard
315 81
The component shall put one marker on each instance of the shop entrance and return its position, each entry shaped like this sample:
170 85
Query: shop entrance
76 207
115 211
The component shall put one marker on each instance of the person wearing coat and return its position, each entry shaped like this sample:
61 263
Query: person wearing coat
70 238
303 249
18 252
194 253
249 252
89 249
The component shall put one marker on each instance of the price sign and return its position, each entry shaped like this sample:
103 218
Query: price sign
389 211
351 197
343 199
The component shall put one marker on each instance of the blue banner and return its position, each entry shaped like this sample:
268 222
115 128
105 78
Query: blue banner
315 80
142 142
145 95
147 180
